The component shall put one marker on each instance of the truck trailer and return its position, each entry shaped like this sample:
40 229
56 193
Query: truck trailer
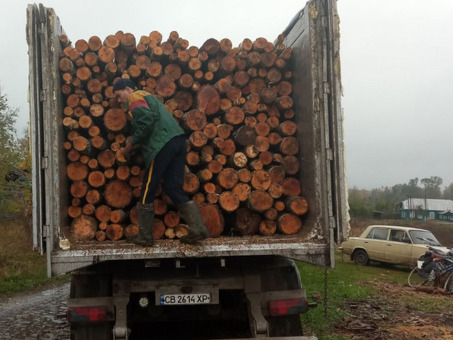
120 290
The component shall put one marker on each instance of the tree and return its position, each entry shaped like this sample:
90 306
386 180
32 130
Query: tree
9 146
448 192
432 186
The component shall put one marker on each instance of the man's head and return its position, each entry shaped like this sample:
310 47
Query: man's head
123 89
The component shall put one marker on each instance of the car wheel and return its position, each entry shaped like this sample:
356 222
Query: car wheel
361 257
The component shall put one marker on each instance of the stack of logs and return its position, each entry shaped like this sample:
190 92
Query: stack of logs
235 105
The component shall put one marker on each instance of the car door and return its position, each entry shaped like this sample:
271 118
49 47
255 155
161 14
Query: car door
399 247
376 243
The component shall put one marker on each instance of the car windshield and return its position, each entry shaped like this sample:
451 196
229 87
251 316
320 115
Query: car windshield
423 237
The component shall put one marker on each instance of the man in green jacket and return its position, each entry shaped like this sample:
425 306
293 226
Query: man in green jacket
163 144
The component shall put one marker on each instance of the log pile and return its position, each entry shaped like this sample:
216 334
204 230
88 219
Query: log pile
235 105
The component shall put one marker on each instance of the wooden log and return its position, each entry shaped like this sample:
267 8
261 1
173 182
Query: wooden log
262 143
170 233
260 180
83 228
93 196
166 86
77 171
130 231
275 190
106 158
96 179
192 158
242 191
260 200
115 119
228 201
277 174
284 102
123 172
267 227
210 130
290 164
171 219
289 224
194 120
271 214
118 194
244 175
100 236
103 213
181 230
82 145
226 146
224 130
160 207
79 189
238 160
291 186
213 219
158 229
191 183
114 232
184 100
251 151
198 139
208 99
297 205
73 155
74 211
227 178
215 166
118 216
88 209
204 175
266 157
247 222
245 135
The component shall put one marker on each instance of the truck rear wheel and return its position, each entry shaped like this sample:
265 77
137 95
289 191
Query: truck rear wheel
288 325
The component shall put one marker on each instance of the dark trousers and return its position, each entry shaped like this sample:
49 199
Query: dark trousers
168 165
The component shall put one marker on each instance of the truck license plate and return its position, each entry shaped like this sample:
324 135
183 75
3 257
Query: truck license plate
185 299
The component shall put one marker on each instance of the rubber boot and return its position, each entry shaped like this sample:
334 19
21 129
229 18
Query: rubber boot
145 225
190 212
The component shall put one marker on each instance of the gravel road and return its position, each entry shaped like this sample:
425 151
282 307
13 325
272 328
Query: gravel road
38 315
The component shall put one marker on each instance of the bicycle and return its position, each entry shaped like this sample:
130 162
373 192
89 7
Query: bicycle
439 273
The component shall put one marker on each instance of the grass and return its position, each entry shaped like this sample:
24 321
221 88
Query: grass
21 268
346 282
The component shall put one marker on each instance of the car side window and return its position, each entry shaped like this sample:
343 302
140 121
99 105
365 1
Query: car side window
378 234
396 235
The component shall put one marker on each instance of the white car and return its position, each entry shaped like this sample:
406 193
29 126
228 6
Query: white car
390 244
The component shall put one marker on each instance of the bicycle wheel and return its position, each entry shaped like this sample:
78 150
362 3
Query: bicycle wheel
449 284
416 279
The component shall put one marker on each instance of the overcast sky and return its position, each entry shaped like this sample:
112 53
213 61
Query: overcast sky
397 67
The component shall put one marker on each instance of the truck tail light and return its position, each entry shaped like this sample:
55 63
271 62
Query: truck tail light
288 307
87 314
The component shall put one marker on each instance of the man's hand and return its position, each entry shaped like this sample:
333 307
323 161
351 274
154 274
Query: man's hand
129 151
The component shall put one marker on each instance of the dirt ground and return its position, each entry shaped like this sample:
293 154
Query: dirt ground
389 316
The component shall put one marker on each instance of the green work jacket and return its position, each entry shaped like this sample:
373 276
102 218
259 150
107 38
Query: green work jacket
153 125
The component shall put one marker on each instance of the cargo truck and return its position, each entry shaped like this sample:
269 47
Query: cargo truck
246 282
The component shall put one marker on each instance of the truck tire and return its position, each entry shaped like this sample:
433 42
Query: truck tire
91 332
288 325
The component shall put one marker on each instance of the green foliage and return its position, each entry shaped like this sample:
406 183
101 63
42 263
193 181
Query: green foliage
345 283
363 202
9 147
